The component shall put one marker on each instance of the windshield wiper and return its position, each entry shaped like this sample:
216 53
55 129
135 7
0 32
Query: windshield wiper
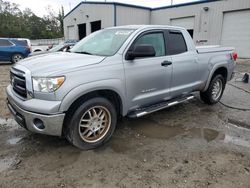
84 52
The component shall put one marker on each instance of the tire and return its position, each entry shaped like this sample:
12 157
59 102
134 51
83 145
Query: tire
16 57
210 96
90 128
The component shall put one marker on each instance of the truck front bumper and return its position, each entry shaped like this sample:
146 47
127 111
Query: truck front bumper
50 124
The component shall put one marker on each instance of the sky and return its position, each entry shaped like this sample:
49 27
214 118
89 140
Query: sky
38 6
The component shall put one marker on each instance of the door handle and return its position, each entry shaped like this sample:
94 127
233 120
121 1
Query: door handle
166 63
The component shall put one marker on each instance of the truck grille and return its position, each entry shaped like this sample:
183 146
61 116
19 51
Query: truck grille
18 82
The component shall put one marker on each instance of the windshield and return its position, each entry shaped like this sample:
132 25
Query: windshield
104 42
56 48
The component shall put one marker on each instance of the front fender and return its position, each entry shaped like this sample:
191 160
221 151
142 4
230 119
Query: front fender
115 85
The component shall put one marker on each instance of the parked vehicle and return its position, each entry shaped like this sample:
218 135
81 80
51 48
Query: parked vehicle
121 71
14 50
59 48
39 48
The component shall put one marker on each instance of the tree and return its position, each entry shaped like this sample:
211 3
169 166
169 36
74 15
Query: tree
60 18
25 24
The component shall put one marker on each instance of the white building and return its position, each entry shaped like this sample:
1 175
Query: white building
223 22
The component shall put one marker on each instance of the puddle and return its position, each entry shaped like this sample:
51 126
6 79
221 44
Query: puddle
152 129
14 141
146 128
6 163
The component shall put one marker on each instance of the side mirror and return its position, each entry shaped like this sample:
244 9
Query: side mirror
141 51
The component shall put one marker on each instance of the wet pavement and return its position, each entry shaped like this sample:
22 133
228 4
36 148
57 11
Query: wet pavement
188 145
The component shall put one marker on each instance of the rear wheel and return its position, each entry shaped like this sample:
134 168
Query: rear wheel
16 57
215 90
92 124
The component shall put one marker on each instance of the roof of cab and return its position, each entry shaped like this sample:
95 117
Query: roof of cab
136 27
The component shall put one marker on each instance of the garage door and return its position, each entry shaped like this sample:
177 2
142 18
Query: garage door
71 32
187 23
236 32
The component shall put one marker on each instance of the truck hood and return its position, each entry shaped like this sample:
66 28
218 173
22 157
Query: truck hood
53 63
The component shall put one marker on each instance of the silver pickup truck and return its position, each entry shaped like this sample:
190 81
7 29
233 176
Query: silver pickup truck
115 72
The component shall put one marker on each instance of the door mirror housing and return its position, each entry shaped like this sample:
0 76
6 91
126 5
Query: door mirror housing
141 51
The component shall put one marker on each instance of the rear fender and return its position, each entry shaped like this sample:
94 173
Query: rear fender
214 64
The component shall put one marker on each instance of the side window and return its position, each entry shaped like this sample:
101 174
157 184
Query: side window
154 39
176 43
4 42
20 42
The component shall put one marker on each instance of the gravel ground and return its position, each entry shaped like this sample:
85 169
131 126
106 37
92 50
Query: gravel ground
189 145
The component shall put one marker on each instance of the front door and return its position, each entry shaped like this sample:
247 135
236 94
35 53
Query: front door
148 79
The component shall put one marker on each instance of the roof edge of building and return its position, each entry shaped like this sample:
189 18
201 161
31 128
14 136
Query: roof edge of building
108 3
140 7
185 4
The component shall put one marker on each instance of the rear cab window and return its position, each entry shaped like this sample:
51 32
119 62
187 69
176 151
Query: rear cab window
176 43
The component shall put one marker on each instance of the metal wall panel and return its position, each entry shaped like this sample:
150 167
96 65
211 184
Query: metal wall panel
130 15
187 22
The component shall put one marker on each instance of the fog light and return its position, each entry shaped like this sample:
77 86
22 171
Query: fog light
38 124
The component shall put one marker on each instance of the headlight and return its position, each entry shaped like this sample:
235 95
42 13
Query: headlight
47 84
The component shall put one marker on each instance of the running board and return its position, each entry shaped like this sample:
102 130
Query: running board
160 106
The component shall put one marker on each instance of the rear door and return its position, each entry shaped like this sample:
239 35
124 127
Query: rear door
148 79
185 65
6 48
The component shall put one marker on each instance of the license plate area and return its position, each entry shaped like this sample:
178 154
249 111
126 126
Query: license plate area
17 116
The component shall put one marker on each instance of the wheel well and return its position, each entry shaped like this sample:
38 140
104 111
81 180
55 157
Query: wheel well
112 96
222 71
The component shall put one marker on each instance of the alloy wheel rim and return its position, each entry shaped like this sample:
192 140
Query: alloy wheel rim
217 89
94 124
17 58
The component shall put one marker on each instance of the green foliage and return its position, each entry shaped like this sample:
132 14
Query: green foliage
25 24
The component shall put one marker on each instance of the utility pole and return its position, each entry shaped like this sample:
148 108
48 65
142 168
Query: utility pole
172 2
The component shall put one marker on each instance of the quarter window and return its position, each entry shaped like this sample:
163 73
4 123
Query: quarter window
154 39
176 43
20 42
5 43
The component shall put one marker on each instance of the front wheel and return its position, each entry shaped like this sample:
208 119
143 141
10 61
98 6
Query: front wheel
16 57
92 124
215 90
